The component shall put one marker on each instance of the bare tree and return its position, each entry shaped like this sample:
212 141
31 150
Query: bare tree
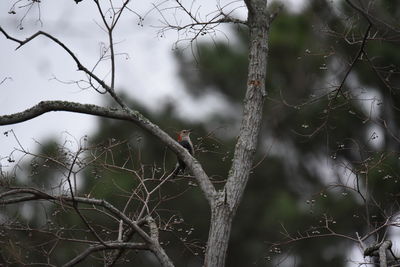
223 203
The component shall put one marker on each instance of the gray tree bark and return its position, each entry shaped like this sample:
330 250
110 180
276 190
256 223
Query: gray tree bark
226 202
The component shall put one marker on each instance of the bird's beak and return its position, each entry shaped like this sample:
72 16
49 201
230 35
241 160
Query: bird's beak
190 130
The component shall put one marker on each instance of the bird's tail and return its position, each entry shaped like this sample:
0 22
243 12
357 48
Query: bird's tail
179 169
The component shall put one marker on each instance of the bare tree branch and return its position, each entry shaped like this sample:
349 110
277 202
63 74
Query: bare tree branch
107 246
109 89
75 204
115 17
379 250
358 55
127 115
362 12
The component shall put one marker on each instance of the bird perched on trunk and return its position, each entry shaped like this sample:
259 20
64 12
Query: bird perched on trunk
183 140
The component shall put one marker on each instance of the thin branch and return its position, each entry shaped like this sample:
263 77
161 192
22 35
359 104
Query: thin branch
5 79
149 220
107 246
75 204
362 12
204 25
126 237
109 89
359 53
383 80
110 29
119 13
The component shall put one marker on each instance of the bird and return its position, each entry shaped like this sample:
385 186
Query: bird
183 140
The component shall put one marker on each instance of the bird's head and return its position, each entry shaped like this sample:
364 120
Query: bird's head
183 134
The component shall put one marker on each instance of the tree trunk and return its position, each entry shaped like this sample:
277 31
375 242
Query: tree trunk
218 238
226 202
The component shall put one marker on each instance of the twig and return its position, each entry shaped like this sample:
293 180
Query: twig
359 53
106 246
74 57
75 204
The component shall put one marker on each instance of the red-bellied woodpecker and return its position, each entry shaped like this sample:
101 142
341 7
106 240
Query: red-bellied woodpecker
183 140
